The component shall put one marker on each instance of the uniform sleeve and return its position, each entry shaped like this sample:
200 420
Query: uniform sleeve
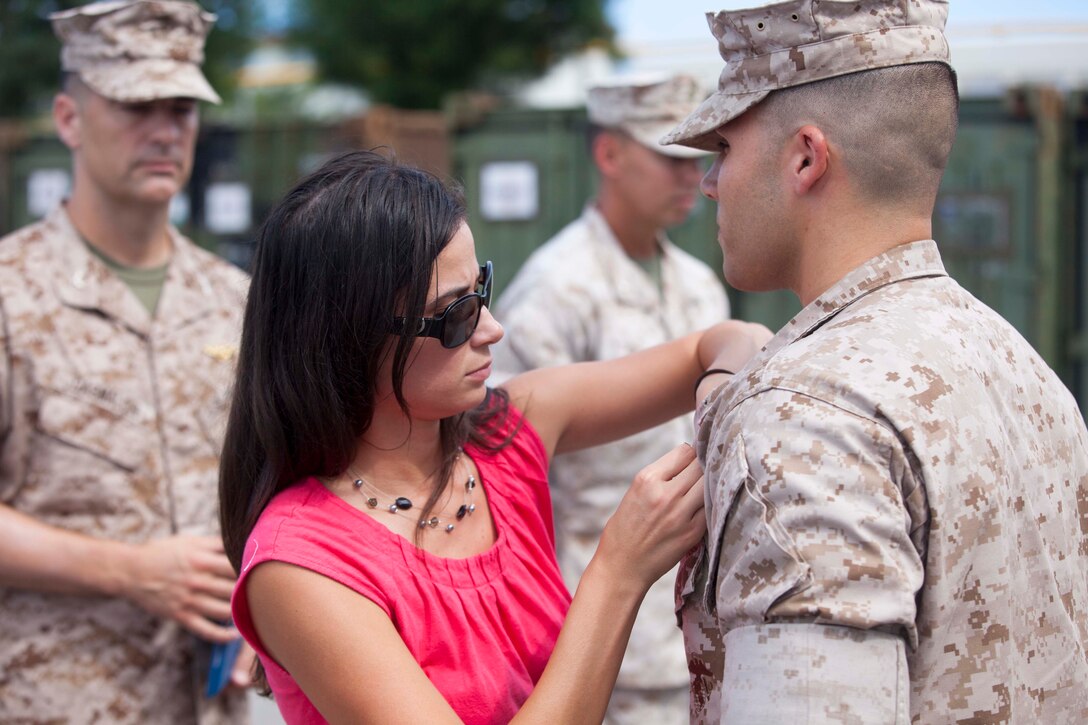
815 574
544 326
802 673
6 397
14 442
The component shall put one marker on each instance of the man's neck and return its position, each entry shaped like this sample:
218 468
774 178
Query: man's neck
834 247
637 237
133 236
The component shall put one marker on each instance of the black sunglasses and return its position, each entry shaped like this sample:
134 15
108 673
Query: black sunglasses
458 321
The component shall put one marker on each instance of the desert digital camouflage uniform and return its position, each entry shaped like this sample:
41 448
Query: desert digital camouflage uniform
111 424
577 298
134 51
897 479
646 109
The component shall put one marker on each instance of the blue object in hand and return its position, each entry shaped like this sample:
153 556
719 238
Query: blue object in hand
220 665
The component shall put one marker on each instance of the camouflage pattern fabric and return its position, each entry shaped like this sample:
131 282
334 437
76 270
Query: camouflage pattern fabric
801 41
111 426
580 297
897 501
137 50
646 110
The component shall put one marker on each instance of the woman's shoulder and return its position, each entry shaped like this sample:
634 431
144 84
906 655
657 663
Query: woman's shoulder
308 525
304 527
294 506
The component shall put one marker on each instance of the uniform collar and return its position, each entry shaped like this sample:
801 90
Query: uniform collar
905 261
188 293
631 284
86 283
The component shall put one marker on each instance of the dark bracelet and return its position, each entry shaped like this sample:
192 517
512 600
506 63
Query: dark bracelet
707 373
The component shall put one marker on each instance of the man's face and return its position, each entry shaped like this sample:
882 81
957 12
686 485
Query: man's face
753 226
660 189
135 152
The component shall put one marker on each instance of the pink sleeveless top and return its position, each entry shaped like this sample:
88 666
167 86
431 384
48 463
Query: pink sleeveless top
482 628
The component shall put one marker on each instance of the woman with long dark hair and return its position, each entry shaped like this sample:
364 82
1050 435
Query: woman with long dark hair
388 513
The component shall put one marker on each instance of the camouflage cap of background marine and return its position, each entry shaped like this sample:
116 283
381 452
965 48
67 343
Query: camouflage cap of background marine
646 109
137 50
801 41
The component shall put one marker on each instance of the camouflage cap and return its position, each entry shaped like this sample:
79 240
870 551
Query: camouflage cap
137 50
646 109
800 41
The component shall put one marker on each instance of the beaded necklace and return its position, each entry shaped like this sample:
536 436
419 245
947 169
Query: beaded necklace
402 504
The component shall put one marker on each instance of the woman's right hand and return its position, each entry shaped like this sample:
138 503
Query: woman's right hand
660 518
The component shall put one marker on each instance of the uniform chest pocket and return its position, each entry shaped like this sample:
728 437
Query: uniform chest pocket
92 429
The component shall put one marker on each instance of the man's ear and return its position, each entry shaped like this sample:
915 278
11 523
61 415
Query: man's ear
67 120
607 151
809 158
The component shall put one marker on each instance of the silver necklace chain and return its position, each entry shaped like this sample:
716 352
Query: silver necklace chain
402 505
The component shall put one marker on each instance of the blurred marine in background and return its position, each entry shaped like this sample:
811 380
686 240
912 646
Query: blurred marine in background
609 284
119 339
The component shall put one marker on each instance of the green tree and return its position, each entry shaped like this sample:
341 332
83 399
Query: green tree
30 54
410 53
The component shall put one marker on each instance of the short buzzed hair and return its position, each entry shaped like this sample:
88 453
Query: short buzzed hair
70 82
895 125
